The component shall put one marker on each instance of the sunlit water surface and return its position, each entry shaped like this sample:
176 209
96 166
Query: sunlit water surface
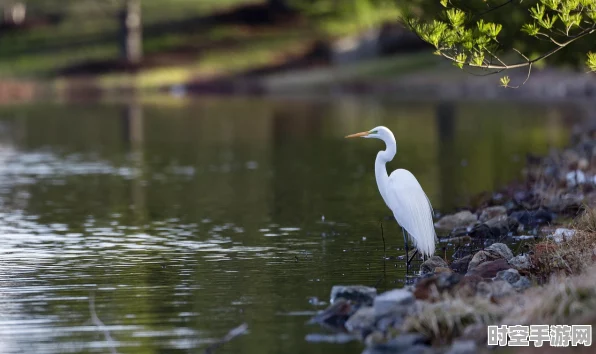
177 222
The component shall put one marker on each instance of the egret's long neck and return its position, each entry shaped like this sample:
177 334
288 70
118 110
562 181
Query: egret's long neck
383 157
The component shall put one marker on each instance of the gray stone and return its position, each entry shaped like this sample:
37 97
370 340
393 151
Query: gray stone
336 338
404 343
433 262
501 221
510 275
501 249
357 293
489 270
480 257
522 284
362 322
393 301
462 219
521 262
491 253
562 234
492 212
336 315
461 265
462 347
495 289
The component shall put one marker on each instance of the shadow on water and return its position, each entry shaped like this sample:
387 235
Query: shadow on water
187 219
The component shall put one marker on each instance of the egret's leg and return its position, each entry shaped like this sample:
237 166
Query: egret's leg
403 231
411 258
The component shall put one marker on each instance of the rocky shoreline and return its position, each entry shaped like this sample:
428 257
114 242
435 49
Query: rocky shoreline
452 301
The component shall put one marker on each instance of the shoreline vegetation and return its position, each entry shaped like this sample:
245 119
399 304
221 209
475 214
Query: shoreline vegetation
550 278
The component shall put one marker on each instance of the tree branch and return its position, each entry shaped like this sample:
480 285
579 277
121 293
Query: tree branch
528 62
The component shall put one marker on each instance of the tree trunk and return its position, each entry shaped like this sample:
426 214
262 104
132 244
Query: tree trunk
131 37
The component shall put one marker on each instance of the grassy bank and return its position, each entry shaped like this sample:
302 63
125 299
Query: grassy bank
181 40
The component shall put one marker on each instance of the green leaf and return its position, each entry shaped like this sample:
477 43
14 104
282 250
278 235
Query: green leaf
477 59
531 29
537 12
444 3
460 60
505 81
456 17
591 62
552 4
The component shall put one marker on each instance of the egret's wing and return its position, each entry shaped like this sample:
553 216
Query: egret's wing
412 209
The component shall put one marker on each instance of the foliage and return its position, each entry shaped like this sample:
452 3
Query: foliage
345 17
483 33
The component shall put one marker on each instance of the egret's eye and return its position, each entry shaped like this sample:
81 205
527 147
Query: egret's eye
374 132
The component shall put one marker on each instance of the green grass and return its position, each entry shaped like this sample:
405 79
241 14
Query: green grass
89 33
94 29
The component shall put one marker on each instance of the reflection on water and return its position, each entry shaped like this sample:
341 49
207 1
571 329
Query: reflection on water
184 221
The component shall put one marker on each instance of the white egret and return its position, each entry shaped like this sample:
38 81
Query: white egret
403 195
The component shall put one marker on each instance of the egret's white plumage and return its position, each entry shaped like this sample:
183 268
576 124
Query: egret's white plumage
403 194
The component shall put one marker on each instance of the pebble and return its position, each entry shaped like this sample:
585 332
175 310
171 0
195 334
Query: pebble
453 221
521 262
462 347
433 262
397 300
510 275
358 293
562 234
492 212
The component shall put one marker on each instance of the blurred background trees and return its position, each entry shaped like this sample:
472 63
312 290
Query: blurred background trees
206 38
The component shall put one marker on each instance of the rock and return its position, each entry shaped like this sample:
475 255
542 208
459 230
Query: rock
433 262
510 275
522 284
425 288
500 249
362 322
358 294
489 269
533 218
479 258
461 265
336 315
521 262
461 219
495 289
562 234
374 339
393 301
335 338
494 251
467 286
442 270
492 212
462 347
500 225
404 343
481 231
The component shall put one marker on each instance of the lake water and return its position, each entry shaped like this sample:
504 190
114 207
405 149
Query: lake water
181 220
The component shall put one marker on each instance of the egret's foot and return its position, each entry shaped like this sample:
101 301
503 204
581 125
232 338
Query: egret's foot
411 258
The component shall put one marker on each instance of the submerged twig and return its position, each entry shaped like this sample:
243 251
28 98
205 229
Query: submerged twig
233 333
384 256
96 321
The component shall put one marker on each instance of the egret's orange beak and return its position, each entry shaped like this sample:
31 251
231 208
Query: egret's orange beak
357 135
